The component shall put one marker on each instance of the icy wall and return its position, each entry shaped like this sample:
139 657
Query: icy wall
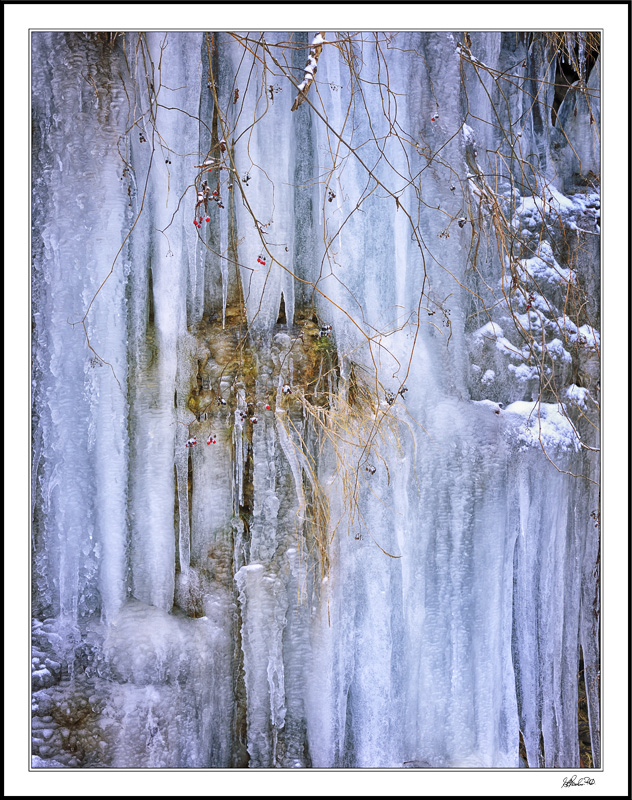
315 479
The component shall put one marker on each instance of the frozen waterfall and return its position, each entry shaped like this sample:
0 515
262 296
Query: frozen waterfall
316 399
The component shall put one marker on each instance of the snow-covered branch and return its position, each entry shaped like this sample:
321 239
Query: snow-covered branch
315 50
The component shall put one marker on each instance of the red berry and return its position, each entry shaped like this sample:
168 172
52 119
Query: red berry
268 407
208 219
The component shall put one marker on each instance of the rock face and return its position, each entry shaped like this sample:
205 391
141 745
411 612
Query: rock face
316 478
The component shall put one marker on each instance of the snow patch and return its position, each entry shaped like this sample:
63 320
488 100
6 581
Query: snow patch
556 350
490 404
490 330
543 423
584 335
523 372
577 395
544 267
493 332
468 134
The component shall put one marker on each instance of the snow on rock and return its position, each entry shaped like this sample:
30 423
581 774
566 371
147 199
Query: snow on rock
537 209
490 404
577 395
584 335
556 350
543 424
524 372
544 267
492 332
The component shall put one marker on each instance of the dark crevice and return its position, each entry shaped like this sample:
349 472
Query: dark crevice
583 722
522 750
150 298
176 518
239 756
349 756
541 753
567 64
282 318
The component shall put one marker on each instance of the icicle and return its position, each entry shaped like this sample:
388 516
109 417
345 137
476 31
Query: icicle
184 534
224 269
263 607
290 450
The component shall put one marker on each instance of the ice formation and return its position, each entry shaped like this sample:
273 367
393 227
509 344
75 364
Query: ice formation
373 574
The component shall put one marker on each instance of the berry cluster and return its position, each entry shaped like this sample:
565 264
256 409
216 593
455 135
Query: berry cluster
203 197
261 260
243 414
216 197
